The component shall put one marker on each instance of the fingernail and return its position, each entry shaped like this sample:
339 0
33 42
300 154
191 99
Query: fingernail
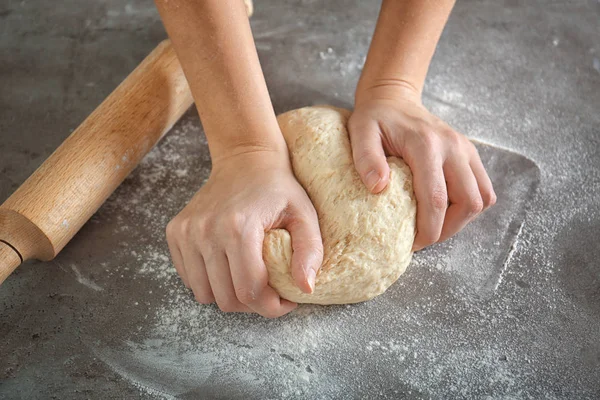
372 179
311 276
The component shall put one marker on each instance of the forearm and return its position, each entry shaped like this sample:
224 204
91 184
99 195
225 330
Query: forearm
403 44
213 41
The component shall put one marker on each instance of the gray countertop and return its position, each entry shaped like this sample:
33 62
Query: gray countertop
509 308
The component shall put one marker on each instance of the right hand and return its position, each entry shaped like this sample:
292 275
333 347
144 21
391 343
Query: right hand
450 182
216 241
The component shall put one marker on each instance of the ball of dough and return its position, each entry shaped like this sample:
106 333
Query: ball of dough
367 238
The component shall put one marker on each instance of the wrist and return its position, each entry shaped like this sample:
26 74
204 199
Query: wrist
387 89
251 152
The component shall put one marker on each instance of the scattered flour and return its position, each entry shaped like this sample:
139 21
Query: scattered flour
464 321
348 63
401 342
83 280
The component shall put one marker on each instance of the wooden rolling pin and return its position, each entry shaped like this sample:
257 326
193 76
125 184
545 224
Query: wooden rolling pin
40 218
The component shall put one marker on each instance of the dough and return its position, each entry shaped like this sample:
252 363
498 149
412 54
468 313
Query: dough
249 7
367 238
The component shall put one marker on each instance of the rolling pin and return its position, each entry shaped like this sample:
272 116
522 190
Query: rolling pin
44 213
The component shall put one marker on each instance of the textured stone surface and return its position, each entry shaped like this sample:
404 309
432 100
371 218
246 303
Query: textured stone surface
508 308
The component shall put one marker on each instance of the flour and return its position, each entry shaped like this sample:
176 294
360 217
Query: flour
450 327
509 309
192 347
348 63
199 347
83 280
190 340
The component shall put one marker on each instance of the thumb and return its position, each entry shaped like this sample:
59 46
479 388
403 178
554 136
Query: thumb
369 158
307 245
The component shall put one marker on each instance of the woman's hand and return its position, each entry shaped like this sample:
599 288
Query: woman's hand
450 182
216 240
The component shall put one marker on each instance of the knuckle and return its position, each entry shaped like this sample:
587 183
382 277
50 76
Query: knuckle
178 227
184 226
473 206
472 149
232 223
170 229
429 141
237 223
422 126
438 200
201 226
455 139
489 198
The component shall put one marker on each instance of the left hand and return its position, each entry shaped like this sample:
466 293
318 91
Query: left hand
450 183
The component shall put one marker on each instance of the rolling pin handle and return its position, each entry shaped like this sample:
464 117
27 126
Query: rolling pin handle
10 259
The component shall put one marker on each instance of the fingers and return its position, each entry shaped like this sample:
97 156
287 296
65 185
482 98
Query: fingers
465 199
219 275
236 280
488 195
307 245
368 154
249 274
176 254
225 265
432 199
444 164
470 189
197 276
